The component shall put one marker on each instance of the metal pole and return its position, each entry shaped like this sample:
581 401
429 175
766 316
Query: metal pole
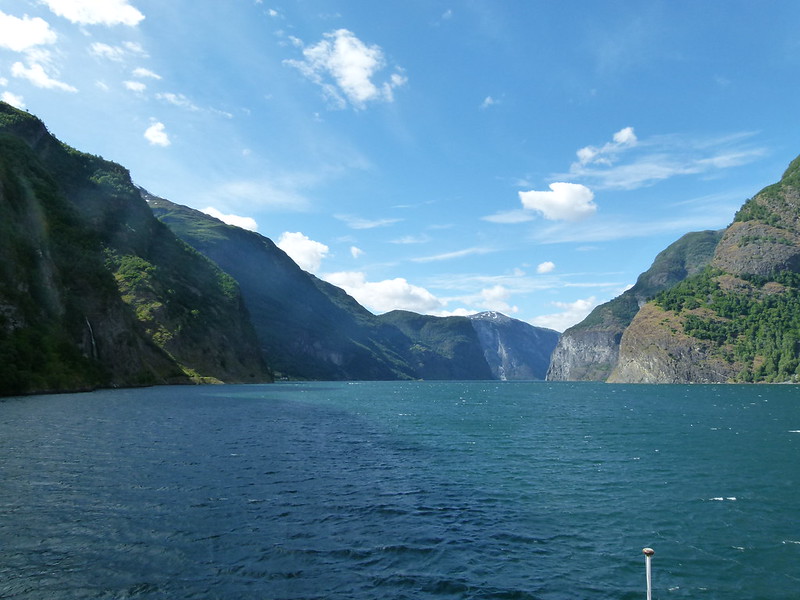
648 554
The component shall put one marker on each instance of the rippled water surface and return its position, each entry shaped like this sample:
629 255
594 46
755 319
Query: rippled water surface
402 490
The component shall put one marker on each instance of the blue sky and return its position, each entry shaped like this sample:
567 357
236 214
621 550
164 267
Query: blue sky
530 157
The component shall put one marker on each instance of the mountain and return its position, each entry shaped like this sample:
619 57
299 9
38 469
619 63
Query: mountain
310 329
514 350
738 320
589 350
94 291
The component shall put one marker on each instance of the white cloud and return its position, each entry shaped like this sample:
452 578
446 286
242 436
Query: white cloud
145 73
248 223
38 77
565 202
354 222
344 67
452 255
178 100
13 99
411 239
115 53
386 295
546 267
509 217
23 34
495 298
571 313
156 135
135 86
355 252
307 253
623 139
487 102
134 48
96 12
272 193
658 158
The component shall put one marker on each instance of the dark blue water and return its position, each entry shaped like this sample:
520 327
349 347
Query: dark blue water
402 490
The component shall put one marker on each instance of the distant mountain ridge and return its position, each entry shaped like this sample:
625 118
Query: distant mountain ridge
96 291
310 329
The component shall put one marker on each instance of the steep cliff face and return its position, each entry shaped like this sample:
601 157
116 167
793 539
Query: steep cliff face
514 350
94 291
589 350
654 349
585 355
739 318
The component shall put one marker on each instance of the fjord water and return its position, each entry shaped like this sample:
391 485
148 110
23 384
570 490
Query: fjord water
402 490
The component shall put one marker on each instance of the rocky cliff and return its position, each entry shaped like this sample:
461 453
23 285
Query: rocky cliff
514 350
739 318
589 350
94 291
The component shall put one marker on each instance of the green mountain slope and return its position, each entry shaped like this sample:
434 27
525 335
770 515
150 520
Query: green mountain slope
94 291
589 350
739 319
309 329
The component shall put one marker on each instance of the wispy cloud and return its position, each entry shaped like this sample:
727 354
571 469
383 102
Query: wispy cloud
510 217
629 163
453 255
145 73
37 75
345 68
267 193
354 222
608 229
411 239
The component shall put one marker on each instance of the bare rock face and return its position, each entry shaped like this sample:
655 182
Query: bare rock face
589 350
514 350
585 355
755 248
654 350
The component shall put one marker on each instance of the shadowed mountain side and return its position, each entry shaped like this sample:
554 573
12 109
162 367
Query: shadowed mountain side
310 329
515 350
589 350
94 291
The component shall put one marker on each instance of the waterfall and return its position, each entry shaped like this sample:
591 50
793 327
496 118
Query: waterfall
91 335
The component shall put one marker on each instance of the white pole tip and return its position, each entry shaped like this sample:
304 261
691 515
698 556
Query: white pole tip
648 551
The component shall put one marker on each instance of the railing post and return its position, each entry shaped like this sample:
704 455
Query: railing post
648 554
